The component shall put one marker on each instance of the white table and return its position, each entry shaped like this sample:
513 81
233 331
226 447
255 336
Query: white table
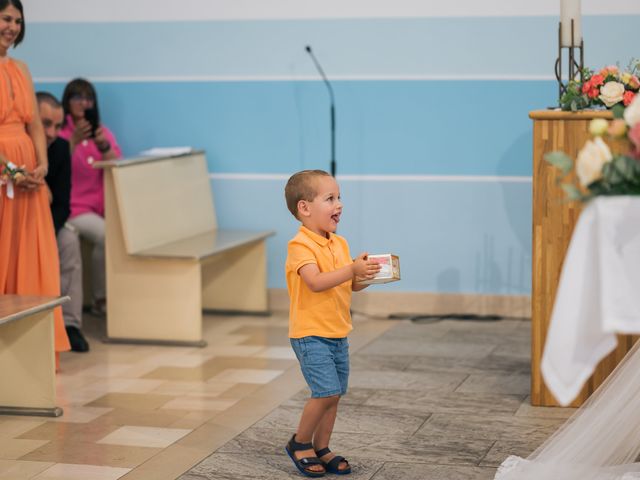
598 295
597 298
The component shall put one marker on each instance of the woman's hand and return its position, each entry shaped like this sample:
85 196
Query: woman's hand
38 174
81 132
100 137
101 141
34 179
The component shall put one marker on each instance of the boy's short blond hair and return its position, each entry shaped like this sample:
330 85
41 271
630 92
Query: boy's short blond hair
301 186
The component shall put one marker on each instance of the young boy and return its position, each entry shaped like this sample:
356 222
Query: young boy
320 278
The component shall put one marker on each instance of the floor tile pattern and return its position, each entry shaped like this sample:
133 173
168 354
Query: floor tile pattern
444 400
436 400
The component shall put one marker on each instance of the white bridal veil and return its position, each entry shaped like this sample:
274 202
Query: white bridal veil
601 441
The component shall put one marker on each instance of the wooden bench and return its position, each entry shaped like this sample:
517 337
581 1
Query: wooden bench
166 259
27 355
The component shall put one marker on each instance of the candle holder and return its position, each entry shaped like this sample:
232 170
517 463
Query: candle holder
575 55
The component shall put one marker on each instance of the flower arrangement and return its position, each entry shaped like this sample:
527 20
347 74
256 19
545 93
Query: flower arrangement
11 175
598 170
8 171
608 88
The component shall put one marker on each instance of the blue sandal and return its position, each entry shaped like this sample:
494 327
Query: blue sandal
303 464
333 465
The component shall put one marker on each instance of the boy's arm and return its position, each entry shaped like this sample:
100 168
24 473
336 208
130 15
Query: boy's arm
318 281
356 287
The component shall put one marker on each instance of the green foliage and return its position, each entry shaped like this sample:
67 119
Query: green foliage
560 160
617 110
573 99
621 176
633 67
572 191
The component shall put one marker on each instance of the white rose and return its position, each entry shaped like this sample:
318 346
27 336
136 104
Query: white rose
598 126
611 93
591 159
632 112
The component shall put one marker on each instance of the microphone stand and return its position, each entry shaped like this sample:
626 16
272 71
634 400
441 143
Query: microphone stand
333 109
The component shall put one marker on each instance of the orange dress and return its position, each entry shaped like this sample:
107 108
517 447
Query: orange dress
29 262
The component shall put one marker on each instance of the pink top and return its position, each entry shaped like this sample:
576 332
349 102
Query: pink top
87 189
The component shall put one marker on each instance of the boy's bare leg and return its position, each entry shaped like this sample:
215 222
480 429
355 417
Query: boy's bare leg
322 435
314 412
323 432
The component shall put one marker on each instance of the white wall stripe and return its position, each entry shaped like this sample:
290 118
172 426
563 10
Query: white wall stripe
203 10
291 78
378 178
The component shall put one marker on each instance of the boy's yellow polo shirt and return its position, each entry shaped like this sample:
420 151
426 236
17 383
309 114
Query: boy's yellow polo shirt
323 314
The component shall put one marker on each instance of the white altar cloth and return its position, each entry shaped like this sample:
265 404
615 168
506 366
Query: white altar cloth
598 294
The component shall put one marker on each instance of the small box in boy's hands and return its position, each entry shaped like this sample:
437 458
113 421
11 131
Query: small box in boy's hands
389 269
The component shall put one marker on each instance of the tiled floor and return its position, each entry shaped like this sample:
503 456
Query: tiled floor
445 400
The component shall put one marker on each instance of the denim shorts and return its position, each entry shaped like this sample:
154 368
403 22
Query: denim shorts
324 363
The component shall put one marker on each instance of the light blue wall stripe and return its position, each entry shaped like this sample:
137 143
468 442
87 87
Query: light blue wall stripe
414 127
450 237
381 178
469 237
423 46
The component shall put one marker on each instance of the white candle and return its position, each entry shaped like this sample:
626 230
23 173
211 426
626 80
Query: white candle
570 10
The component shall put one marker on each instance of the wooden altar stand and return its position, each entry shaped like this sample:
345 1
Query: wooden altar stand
553 221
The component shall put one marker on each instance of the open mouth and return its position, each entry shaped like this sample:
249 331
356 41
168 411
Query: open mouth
335 218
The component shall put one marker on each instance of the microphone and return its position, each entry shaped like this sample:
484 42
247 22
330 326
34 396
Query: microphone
333 109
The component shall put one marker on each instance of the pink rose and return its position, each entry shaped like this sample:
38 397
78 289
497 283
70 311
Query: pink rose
632 112
628 97
610 70
617 128
634 136
597 80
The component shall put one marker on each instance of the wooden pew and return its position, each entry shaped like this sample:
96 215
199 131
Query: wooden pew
166 258
27 355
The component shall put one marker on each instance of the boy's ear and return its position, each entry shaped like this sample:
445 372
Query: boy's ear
303 208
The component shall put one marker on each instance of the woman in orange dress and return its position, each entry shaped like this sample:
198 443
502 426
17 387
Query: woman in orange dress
28 251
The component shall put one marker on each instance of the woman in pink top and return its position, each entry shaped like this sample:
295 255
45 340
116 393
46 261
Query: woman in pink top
90 142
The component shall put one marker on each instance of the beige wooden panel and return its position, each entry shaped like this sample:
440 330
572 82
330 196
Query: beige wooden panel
164 200
27 362
148 300
236 280
553 221
14 307
205 245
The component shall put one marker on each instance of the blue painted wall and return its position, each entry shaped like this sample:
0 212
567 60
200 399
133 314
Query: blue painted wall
416 98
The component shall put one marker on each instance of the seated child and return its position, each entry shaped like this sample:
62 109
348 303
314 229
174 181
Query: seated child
320 278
